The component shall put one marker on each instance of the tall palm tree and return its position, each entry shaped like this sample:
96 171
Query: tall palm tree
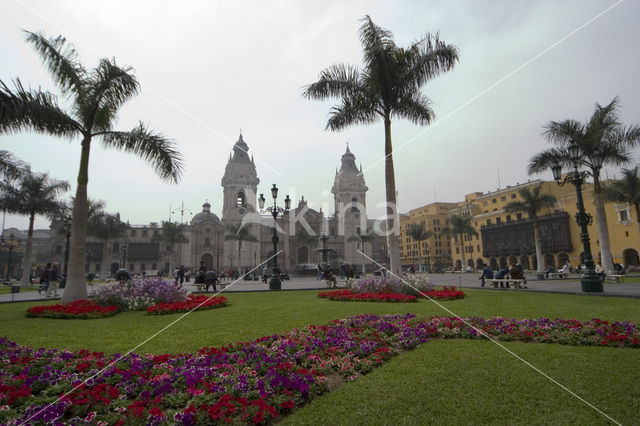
94 98
602 134
389 85
531 203
364 238
106 226
172 234
34 194
239 232
418 233
626 189
460 226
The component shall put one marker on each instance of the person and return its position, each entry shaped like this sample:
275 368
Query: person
181 274
487 273
200 277
53 280
516 272
564 270
265 273
44 278
319 276
210 279
600 271
328 276
550 268
503 274
202 267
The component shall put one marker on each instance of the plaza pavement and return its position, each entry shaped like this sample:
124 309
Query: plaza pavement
468 280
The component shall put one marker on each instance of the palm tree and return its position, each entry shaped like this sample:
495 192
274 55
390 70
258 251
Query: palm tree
626 189
105 226
34 194
94 98
388 86
418 233
460 226
172 234
532 202
602 134
239 232
364 238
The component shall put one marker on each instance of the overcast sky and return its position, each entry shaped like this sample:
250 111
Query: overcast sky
209 69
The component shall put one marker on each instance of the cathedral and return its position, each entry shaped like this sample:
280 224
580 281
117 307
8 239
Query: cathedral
242 238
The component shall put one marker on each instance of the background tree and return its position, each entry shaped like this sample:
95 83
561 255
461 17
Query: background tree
10 166
33 194
389 85
532 202
93 98
418 233
239 232
106 226
364 238
460 226
172 234
626 189
602 134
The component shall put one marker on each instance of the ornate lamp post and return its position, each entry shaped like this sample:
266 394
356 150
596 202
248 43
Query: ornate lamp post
67 234
591 282
124 254
324 239
12 238
274 284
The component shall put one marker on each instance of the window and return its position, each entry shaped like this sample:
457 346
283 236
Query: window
133 232
154 266
143 267
508 218
513 196
457 250
116 248
207 242
519 216
494 200
498 220
144 232
240 199
488 221
484 203
624 215
503 198
354 204
357 230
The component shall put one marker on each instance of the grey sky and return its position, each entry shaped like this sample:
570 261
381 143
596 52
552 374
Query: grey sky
209 69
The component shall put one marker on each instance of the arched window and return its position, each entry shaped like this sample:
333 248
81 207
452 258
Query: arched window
240 199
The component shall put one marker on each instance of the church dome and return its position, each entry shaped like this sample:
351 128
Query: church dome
205 215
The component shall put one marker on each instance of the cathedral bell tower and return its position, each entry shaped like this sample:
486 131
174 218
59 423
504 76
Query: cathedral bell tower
240 184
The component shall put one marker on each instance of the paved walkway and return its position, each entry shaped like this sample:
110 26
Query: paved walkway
469 280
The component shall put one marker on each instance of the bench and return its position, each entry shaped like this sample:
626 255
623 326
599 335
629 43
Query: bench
559 275
615 278
511 282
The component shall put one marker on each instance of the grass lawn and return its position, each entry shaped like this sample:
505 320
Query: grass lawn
443 381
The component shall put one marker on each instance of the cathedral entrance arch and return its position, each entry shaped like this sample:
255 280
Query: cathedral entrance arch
207 259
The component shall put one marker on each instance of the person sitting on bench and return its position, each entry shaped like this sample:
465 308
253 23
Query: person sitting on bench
503 274
487 272
328 276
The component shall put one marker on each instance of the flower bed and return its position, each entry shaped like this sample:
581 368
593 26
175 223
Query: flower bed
138 295
248 382
80 309
200 302
349 296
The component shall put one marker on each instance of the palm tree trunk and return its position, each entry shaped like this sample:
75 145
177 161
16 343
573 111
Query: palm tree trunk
419 256
76 288
536 238
105 260
603 229
637 206
390 184
28 253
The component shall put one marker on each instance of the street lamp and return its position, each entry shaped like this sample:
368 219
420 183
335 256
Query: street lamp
591 282
124 254
274 284
67 234
12 238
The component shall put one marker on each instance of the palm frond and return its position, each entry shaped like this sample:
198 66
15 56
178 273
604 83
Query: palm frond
562 133
416 108
430 57
336 81
33 110
543 161
11 167
352 110
61 61
153 147
375 41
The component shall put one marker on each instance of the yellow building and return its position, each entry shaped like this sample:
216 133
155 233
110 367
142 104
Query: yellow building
506 238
